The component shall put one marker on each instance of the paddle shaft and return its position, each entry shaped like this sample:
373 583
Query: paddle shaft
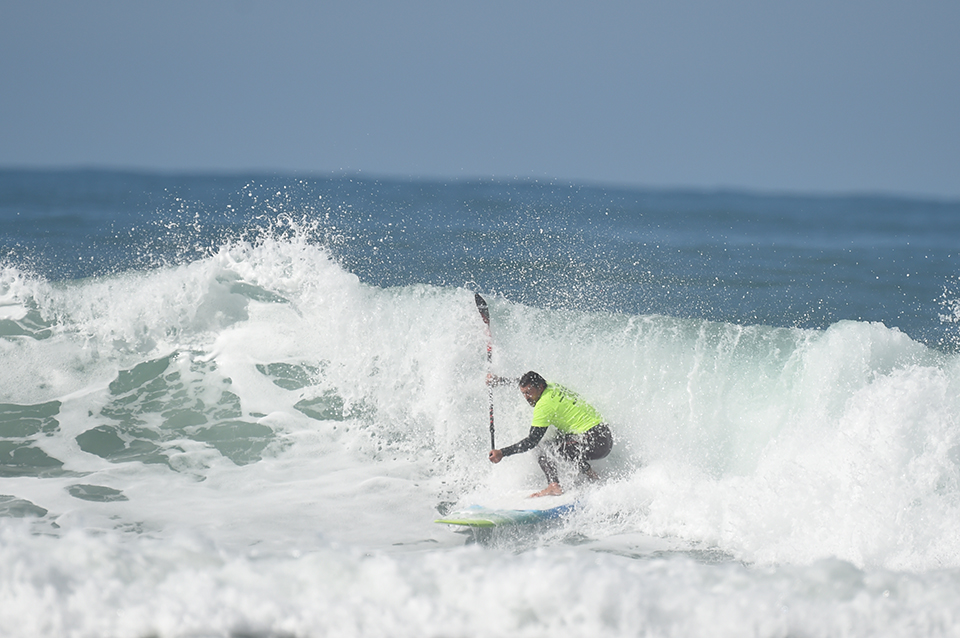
485 315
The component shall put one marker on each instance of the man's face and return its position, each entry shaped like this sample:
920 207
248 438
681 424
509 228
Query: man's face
531 393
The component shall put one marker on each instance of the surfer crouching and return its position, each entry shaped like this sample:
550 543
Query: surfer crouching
582 434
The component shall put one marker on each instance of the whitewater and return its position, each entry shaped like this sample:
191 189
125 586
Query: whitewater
249 431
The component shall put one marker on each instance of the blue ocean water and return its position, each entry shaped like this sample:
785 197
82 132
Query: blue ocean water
778 260
234 404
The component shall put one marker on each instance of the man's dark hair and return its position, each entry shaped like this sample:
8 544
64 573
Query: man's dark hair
532 379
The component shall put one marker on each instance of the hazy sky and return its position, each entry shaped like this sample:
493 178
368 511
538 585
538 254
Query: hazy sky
803 96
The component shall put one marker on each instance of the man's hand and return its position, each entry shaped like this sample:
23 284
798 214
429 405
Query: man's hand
493 380
495 456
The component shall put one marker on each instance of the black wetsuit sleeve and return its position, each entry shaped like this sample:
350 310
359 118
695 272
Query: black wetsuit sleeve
526 444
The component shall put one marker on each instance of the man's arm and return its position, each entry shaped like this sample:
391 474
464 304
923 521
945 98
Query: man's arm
526 444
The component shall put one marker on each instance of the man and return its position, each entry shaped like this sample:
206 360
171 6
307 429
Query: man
583 435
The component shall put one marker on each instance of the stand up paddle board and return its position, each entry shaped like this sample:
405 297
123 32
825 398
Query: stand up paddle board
479 516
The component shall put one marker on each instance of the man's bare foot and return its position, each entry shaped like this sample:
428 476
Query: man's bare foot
553 489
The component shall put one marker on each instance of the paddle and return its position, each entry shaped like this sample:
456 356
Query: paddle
485 315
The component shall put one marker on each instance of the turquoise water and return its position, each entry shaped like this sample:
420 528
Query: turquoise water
233 405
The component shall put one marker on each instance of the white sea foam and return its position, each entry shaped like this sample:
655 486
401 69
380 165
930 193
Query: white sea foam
83 585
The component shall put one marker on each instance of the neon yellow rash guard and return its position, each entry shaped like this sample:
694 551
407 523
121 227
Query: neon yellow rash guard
564 410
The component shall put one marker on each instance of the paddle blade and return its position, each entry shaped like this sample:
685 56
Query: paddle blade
482 307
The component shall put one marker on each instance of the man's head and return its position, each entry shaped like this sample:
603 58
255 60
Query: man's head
532 386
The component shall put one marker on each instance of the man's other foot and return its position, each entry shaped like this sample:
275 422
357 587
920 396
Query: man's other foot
553 489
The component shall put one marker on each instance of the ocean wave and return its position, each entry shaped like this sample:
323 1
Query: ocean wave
774 445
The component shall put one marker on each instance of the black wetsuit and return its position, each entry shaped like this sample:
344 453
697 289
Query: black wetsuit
593 444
